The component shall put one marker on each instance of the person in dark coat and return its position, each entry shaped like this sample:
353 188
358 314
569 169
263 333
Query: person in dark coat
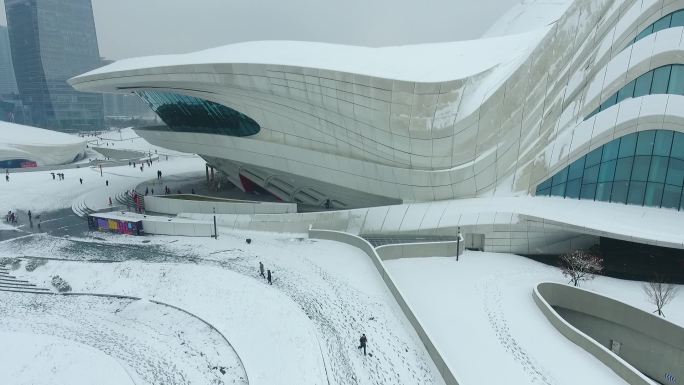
81 180
362 343
268 277
261 269
29 215
53 175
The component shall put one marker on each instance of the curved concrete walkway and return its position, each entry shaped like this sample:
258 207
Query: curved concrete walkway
635 344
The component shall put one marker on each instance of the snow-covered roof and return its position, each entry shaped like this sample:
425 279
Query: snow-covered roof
15 134
433 62
528 15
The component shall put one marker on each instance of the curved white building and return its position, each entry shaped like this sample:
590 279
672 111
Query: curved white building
578 99
24 146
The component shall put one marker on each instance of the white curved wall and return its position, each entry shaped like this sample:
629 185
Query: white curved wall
45 147
498 131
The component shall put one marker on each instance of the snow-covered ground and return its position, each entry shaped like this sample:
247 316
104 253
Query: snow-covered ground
481 314
38 192
303 329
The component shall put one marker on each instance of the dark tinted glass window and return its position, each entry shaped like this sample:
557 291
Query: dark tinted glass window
576 169
591 175
645 143
573 188
677 19
671 196
626 91
643 84
663 143
678 146
593 157
628 145
662 24
661 77
658 169
637 190
603 191
182 113
676 86
610 150
619 193
623 170
640 168
654 194
614 173
675 172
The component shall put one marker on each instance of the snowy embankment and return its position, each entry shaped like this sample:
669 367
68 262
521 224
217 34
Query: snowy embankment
40 359
481 314
303 329
84 340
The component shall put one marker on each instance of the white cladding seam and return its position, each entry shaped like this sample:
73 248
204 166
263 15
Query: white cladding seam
499 127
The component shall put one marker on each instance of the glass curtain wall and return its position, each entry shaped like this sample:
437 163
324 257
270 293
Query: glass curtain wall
184 113
667 79
674 19
644 168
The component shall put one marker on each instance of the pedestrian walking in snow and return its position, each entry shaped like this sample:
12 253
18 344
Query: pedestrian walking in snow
53 175
110 201
261 269
152 190
7 178
141 167
107 182
29 215
362 343
147 190
80 180
268 277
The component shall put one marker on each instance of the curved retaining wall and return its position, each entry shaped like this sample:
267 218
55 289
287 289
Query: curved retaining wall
167 205
420 250
442 366
650 345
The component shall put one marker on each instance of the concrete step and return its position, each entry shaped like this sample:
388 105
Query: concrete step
12 280
32 291
17 283
5 284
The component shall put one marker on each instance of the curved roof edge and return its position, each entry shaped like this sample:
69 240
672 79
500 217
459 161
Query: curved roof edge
13 134
427 63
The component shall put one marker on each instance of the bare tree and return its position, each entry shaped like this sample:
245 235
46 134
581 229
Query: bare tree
580 265
659 294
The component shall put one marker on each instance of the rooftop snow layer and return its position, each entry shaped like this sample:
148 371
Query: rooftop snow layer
528 15
424 62
15 134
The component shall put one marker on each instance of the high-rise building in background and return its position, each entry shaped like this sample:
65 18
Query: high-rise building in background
123 110
52 41
8 84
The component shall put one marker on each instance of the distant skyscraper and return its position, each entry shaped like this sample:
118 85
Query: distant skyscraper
52 41
8 84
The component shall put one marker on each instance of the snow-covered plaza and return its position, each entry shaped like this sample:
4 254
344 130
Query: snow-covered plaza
186 310
502 210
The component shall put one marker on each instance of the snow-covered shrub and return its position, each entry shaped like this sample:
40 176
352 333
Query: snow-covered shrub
60 284
33 264
13 263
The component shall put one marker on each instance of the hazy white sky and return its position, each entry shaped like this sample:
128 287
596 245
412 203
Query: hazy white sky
129 28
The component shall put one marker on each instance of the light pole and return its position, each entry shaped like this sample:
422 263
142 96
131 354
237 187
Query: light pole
215 231
458 243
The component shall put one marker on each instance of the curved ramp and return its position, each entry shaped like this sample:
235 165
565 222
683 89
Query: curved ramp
635 344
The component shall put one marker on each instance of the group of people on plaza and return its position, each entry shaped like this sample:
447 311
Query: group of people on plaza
268 275
13 218
59 175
